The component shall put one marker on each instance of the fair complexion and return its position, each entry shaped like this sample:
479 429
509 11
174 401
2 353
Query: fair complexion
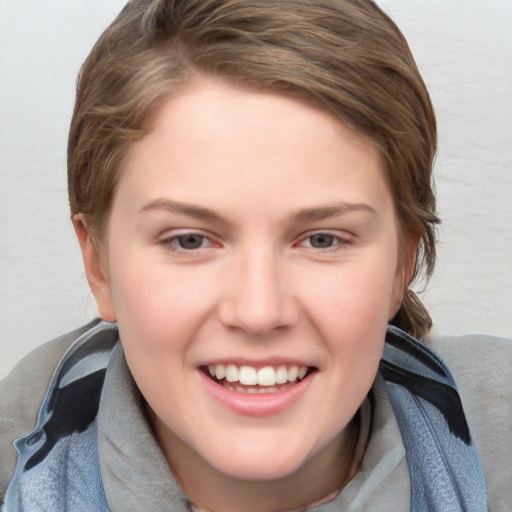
250 230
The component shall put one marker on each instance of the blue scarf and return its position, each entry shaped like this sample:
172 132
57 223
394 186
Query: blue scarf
58 467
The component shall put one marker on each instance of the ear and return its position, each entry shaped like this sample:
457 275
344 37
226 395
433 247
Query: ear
404 272
94 271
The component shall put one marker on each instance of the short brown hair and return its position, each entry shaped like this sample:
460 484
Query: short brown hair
345 56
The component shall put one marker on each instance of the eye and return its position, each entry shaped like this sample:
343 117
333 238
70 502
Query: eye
325 241
190 241
187 242
322 240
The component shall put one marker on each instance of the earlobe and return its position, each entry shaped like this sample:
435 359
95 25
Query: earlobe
94 271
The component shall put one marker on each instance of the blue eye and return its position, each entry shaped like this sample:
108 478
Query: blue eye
322 240
190 241
189 244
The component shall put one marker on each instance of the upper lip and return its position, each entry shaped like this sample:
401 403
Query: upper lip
257 363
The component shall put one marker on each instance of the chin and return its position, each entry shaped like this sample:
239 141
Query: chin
260 470
263 461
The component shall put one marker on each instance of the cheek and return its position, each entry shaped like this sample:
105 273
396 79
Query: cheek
357 296
160 307
351 313
155 326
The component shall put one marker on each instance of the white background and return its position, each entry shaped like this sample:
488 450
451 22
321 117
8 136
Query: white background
464 50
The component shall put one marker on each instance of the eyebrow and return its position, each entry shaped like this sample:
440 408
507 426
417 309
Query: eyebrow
304 214
192 210
333 210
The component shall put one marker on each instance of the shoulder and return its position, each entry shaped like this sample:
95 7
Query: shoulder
482 368
481 365
22 392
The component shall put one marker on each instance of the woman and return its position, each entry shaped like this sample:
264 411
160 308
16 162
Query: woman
250 184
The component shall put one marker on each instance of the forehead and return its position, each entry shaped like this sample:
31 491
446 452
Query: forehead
215 138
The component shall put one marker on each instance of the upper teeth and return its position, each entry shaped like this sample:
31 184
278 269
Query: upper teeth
250 376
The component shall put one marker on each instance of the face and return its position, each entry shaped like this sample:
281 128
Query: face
252 237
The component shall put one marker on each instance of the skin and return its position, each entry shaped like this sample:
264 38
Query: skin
258 175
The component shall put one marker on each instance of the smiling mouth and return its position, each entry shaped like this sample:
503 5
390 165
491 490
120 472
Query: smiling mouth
248 379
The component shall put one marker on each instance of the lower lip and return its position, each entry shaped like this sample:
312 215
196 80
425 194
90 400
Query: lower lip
257 404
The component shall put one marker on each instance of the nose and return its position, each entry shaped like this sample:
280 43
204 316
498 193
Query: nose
258 297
